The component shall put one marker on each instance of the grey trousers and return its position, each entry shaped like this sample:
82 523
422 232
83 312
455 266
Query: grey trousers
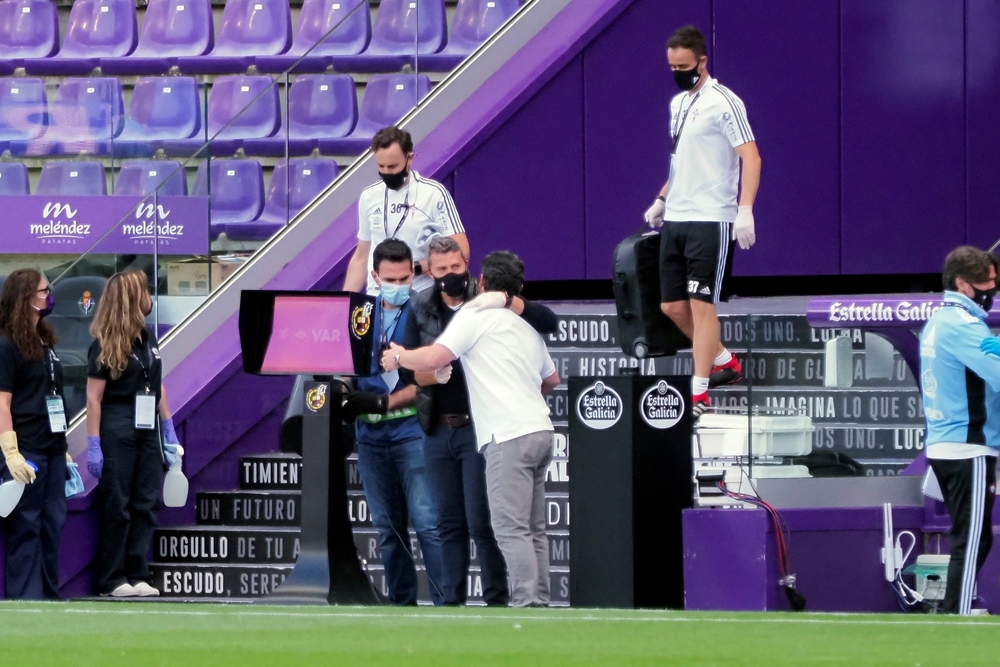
515 487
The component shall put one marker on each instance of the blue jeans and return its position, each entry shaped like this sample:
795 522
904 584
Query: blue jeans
457 472
397 490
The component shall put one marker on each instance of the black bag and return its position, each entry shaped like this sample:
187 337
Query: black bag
830 464
644 330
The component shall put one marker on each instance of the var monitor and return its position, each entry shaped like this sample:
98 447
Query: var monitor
318 333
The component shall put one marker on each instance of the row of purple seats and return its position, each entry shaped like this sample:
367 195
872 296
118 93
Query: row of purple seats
180 33
88 115
235 188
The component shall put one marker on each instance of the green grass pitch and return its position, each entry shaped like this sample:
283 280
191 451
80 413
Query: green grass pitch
188 635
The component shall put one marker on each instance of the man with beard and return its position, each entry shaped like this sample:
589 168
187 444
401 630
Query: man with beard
455 467
402 205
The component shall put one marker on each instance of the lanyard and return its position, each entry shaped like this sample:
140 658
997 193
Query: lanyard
149 360
50 356
683 119
390 328
385 213
963 307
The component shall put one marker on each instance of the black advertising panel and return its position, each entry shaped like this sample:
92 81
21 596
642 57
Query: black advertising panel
629 480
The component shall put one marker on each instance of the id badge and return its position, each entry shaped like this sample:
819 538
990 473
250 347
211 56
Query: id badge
57 413
145 411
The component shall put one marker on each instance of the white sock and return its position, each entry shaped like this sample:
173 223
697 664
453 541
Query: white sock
724 357
698 385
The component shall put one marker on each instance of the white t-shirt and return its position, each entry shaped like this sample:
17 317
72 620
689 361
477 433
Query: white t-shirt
705 168
419 212
504 361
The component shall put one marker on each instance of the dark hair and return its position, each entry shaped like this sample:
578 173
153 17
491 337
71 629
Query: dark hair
688 37
16 315
391 250
503 272
442 245
388 136
971 264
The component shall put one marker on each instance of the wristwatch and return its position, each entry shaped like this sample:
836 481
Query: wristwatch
395 361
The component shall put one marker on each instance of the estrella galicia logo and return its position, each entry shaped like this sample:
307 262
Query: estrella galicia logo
59 226
599 406
152 224
661 406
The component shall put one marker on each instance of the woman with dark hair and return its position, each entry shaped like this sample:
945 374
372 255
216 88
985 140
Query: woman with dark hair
124 393
32 433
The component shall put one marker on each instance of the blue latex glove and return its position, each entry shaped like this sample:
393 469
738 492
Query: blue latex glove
170 441
95 457
991 345
74 482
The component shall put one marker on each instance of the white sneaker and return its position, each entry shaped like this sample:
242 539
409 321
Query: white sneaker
144 590
124 591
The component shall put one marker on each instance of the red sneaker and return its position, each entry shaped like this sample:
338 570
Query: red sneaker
699 405
728 373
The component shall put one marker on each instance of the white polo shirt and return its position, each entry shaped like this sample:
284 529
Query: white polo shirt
419 212
705 168
504 361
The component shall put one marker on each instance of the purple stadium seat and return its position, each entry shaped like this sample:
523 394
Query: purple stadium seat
171 29
473 23
140 177
249 28
23 110
96 29
293 186
320 106
402 28
237 192
28 29
161 109
13 179
388 98
72 178
317 18
85 117
229 96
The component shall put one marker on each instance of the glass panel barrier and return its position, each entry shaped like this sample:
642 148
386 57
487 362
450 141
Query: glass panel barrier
184 174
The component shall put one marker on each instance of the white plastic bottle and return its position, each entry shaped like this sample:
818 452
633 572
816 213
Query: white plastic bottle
10 493
175 484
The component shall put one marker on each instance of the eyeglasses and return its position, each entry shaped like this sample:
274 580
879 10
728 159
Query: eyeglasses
46 290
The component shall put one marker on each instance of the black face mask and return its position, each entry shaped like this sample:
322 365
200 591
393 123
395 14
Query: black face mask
983 297
453 284
395 181
686 79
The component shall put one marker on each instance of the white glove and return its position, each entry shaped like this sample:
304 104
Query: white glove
486 301
654 214
743 227
442 375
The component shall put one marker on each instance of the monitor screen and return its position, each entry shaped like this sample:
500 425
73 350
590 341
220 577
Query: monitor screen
310 334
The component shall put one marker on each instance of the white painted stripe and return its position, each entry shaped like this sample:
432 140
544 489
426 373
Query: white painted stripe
976 506
223 611
723 256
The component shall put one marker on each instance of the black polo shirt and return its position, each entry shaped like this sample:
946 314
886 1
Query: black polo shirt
144 369
29 382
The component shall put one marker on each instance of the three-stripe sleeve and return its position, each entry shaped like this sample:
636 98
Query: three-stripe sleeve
733 118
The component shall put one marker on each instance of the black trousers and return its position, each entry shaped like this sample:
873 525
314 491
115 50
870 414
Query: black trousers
34 531
129 497
969 488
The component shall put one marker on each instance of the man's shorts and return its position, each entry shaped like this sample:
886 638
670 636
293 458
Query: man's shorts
696 259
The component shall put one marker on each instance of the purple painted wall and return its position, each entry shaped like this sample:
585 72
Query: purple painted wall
874 120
